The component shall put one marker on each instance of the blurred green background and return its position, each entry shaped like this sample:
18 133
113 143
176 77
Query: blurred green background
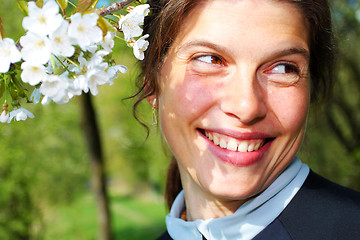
45 190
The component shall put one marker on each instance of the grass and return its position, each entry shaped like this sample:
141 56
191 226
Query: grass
133 219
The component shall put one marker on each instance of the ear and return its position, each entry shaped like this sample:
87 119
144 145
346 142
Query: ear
152 101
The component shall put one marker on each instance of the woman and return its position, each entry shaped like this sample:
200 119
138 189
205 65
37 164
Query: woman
232 82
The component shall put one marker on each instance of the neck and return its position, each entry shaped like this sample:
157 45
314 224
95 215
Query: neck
203 208
203 205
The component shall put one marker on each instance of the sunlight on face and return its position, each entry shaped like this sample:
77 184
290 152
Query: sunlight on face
235 95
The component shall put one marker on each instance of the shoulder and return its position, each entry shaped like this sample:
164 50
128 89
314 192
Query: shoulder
164 236
322 210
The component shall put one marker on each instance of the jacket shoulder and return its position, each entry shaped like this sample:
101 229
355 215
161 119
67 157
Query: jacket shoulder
323 210
164 236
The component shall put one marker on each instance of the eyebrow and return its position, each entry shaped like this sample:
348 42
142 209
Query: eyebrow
294 50
202 43
285 52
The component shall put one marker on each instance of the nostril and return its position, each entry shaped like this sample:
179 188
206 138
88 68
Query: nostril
246 119
231 115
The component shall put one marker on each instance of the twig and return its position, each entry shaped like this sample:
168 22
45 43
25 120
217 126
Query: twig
116 6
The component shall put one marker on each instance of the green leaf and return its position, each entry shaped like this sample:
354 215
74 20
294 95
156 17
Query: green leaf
104 25
40 3
2 30
63 4
84 5
23 6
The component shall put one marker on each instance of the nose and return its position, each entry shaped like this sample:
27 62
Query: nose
244 98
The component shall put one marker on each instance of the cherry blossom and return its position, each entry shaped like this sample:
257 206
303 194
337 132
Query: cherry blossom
35 96
84 30
36 48
63 57
42 21
20 114
140 46
55 87
33 73
96 78
8 54
113 72
130 23
4 117
108 42
60 41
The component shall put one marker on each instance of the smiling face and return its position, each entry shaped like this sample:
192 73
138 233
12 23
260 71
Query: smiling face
235 96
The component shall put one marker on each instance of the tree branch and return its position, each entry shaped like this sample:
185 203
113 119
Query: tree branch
116 6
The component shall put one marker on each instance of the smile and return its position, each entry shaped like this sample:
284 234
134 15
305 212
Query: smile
238 149
233 144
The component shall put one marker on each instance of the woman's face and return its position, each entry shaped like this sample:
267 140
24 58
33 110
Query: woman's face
235 95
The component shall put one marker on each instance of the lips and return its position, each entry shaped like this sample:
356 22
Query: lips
237 149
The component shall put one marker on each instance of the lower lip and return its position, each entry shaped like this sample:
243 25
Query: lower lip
239 159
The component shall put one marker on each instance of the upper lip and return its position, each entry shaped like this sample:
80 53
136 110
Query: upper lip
239 134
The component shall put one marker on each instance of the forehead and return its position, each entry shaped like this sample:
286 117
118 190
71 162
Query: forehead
232 22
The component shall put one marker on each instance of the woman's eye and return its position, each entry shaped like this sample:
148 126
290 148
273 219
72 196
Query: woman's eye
285 74
207 64
284 68
210 59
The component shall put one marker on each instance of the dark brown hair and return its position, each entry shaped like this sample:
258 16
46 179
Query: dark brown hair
164 24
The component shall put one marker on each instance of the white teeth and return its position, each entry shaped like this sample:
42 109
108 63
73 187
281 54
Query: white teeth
223 143
251 147
232 145
243 147
216 140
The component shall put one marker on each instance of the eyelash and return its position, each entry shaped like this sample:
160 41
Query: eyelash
294 68
219 60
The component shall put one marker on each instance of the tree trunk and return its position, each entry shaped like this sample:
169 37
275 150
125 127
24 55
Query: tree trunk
98 181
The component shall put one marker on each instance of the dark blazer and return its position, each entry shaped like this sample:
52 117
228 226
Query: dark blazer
320 210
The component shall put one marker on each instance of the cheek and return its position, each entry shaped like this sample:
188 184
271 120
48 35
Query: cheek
187 97
290 106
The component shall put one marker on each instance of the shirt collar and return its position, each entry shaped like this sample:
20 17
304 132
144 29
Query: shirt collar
250 219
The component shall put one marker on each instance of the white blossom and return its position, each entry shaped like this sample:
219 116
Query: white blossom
20 114
35 96
55 87
46 100
96 78
4 117
48 49
113 72
60 41
84 29
108 42
42 21
130 23
8 54
140 46
33 73
96 61
78 85
36 48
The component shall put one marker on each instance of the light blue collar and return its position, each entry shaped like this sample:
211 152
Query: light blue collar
250 219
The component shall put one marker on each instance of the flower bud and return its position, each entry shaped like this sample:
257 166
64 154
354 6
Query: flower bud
4 116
